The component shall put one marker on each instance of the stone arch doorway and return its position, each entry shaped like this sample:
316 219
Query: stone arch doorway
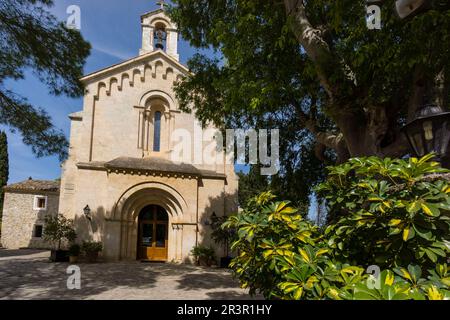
129 207
153 231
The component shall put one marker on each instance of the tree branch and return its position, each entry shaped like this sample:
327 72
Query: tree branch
312 41
324 139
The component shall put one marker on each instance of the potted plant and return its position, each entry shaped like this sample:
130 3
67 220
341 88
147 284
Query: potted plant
59 231
74 252
223 237
204 256
91 250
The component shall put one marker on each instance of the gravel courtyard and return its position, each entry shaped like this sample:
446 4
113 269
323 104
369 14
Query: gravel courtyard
27 274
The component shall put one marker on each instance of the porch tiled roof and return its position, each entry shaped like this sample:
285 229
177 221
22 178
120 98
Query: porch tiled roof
151 164
35 185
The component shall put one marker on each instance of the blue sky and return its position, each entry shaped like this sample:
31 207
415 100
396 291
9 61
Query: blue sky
113 29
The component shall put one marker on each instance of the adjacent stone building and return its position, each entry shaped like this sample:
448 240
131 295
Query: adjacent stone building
25 207
120 183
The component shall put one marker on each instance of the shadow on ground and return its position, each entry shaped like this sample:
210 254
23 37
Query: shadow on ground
207 280
33 278
4 253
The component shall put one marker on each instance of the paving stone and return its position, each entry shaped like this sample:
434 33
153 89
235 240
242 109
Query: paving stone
29 275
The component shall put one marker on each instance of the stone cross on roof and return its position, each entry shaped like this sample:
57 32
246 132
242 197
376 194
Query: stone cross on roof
161 3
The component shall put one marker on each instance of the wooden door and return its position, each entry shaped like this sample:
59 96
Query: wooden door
153 234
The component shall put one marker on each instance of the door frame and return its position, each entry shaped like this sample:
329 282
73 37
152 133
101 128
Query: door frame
154 222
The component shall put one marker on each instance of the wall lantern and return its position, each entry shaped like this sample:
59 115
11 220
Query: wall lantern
208 222
409 8
429 132
87 212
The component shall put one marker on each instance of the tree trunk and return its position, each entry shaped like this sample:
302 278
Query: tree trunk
367 134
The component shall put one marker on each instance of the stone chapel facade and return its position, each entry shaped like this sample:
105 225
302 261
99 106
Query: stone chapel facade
141 204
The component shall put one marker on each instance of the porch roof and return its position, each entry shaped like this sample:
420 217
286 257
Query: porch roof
151 165
34 185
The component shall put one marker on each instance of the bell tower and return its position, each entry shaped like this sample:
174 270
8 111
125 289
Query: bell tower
159 33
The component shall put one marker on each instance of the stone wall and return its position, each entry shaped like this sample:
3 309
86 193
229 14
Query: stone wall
19 219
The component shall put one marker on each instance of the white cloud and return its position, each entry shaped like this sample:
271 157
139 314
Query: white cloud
113 52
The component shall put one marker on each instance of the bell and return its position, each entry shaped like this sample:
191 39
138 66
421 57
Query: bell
160 36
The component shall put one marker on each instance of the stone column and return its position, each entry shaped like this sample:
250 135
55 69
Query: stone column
172 43
147 39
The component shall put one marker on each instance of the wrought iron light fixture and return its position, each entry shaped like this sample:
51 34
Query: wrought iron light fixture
429 132
87 212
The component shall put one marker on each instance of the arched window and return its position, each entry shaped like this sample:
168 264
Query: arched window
157 132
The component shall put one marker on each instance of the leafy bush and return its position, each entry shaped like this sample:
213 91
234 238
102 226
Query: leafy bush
404 284
220 235
266 230
59 229
204 255
284 256
388 212
91 247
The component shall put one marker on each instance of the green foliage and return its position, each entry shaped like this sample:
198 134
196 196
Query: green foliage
403 284
32 38
266 230
388 212
294 183
251 85
261 71
58 229
220 235
91 247
204 254
4 168
262 76
283 256
251 184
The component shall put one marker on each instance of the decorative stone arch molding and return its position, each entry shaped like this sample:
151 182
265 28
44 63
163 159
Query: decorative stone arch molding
157 94
133 201
140 195
162 20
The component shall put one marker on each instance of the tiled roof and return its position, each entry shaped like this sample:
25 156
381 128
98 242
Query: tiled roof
34 185
150 164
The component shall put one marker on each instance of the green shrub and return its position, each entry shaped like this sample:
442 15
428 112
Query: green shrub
267 234
91 247
284 256
204 255
59 229
388 212
220 235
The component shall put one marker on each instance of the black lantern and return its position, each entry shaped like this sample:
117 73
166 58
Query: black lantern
208 222
410 8
429 132
87 212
